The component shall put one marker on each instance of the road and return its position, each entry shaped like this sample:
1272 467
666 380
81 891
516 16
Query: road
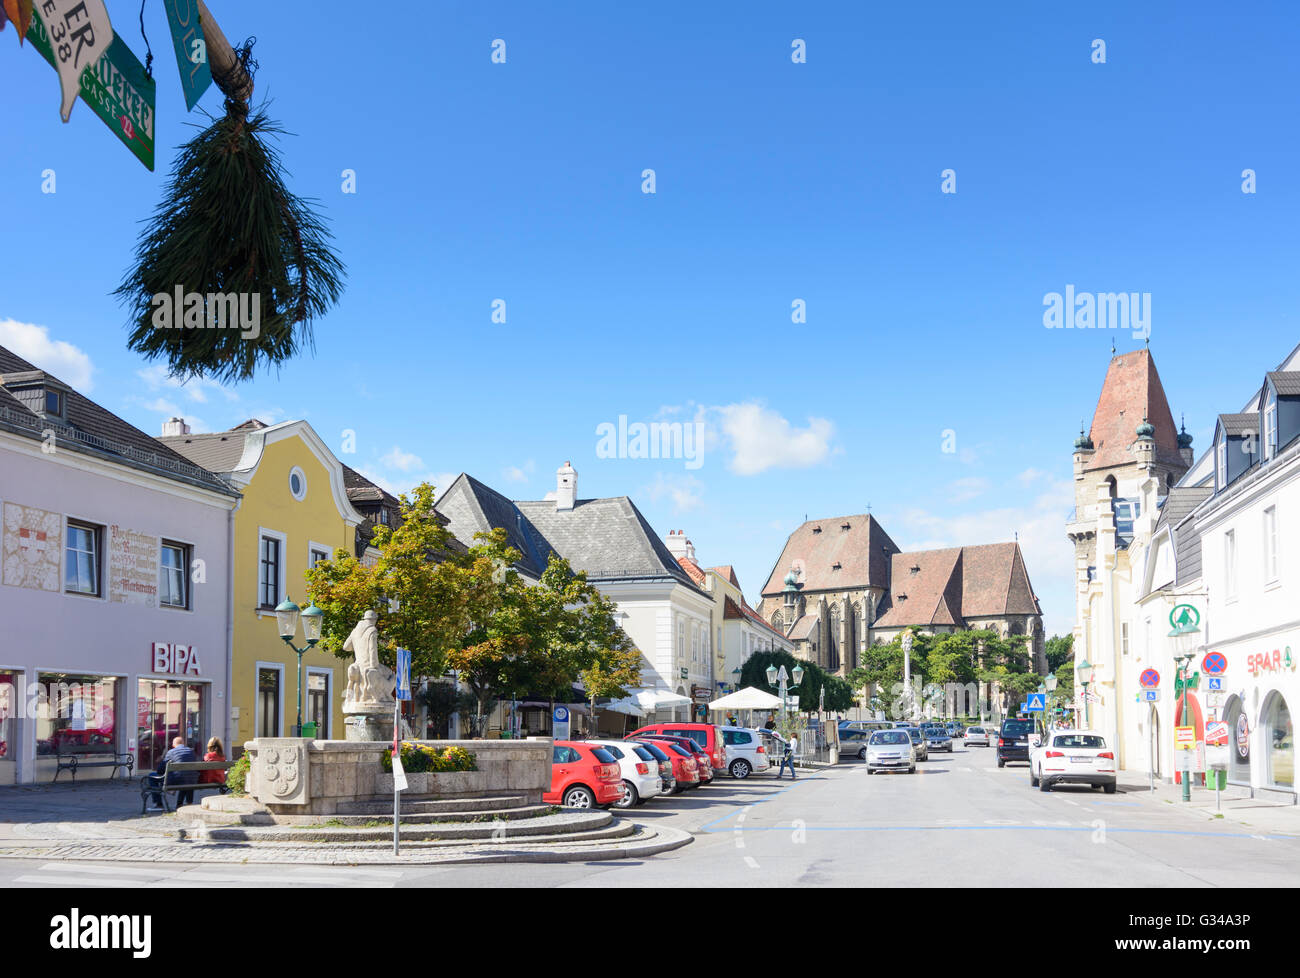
960 821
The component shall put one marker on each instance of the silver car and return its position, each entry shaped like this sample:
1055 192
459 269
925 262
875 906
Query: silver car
890 750
977 737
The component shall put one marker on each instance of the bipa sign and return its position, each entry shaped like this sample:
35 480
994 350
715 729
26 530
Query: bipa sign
177 659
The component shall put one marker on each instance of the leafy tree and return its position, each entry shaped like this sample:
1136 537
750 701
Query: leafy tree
839 693
442 701
425 594
1058 649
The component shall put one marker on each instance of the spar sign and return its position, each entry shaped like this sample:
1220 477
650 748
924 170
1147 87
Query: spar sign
1276 661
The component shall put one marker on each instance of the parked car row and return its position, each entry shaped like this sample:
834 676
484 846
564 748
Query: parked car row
658 759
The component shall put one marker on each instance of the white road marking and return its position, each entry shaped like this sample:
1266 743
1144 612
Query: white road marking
83 883
751 862
95 868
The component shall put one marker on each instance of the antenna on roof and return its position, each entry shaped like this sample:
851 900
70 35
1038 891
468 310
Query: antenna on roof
1112 346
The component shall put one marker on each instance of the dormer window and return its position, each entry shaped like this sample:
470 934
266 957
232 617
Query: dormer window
835 566
915 569
844 526
817 529
54 403
1270 423
1221 459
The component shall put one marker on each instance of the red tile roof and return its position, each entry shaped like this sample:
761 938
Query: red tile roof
693 570
1132 391
861 550
946 587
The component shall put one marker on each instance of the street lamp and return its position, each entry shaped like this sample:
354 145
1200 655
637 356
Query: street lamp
777 676
1084 671
906 643
1050 682
286 615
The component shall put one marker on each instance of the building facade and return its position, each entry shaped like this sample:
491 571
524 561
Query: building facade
842 585
295 512
1220 546
114 586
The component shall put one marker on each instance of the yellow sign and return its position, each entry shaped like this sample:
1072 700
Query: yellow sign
1184 738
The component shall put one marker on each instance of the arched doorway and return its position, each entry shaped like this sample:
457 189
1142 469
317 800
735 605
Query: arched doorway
1279 743
1238 741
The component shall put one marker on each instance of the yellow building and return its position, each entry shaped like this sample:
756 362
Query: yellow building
295 512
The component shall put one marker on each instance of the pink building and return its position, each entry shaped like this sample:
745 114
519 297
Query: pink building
114 588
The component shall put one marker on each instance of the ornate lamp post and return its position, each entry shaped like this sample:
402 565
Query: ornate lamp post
1185 634
1084 671
777 676
286 615
1050 682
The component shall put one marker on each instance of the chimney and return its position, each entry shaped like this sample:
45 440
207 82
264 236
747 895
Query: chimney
176 426
679 546
566 487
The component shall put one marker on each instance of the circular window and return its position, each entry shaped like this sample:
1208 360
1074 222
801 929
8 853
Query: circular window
297 483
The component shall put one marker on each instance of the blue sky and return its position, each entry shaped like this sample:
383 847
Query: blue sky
775 181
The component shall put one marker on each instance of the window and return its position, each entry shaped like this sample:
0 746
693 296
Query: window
81 568
172 592
1221 464
297 483
1281 748
268 702
54 403
1230 564
1123 637
1270 426
1270 544
382 516
269 573
315 555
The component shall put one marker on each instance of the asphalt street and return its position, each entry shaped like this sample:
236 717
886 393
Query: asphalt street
960 821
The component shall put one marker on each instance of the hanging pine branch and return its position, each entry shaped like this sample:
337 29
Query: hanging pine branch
228 226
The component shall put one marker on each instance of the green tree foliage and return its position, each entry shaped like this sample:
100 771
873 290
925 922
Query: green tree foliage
839 693
1058 649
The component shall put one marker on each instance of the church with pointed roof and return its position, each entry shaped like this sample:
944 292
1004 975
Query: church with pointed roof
842 585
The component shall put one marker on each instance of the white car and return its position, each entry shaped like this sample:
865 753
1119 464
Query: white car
977 736
746 752
639 769
1072 757
890 750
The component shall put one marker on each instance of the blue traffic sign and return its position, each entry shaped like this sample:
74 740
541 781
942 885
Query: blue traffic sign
403 674
1151 695
1216 682
1036 703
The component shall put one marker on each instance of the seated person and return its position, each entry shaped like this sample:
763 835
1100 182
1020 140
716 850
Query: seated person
216 752
180 752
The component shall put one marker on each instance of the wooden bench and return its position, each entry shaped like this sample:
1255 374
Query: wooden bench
175 767
102 755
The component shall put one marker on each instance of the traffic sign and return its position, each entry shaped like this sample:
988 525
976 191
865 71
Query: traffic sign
1216 683
1151 695
116 87
403 674
1216 734
1184 738
1214 664
1149 679
1036 703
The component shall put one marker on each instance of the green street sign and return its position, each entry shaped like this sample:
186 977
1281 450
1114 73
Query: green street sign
115 87
1184 617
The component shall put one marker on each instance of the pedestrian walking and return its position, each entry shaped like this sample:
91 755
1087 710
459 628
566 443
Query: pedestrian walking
787 757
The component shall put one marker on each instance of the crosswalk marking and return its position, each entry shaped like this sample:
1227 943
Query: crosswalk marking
97 868
81 882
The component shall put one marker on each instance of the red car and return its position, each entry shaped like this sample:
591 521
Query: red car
583 776
707 736
702 756
686 770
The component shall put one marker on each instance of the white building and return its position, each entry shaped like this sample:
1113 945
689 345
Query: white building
665 613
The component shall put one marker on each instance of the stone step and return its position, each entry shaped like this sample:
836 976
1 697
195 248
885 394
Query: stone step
556 824
417 804
218 819
416 841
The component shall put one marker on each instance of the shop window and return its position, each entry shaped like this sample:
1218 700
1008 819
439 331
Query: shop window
8 726
1281 746
167 710
81 565
75 714
1238 742
172 579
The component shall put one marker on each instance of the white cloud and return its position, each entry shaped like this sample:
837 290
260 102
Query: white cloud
65 361
761 439
157 377
685 491
517 473
402 461
966 489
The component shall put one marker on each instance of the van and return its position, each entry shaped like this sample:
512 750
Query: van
707 735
